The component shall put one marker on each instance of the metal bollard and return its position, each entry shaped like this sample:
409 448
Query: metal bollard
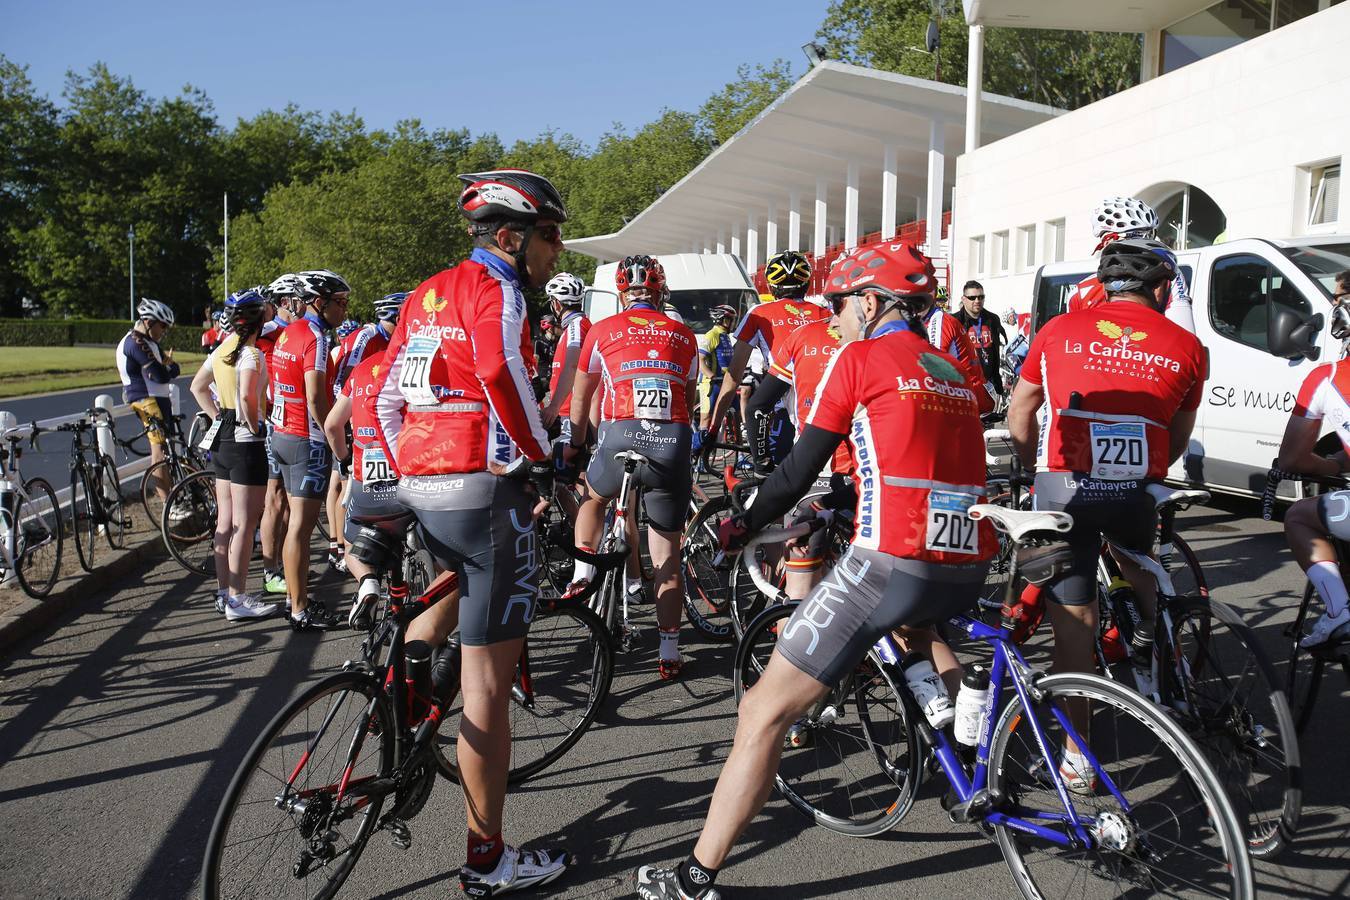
175 397
106 444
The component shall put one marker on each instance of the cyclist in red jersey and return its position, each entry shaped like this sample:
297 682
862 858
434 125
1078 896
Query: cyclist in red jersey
283 294
648 365
301 397
565 294
764 326
455 413
911 417
1120 385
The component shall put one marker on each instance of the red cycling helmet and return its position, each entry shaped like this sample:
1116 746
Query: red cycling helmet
897 269
641 271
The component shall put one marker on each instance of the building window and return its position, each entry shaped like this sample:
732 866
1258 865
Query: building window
1190 218
1243 289
1000 252
977 255
1054 241
1324 199
1026 247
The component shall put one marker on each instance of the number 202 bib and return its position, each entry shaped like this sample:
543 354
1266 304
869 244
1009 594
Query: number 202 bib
950 527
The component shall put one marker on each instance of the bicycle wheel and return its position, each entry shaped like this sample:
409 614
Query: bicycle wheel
555 534
110 495
706 593
1230 703
855 766
188 524
172 471
37 541
84 520
1174 835
1304 676
295 817
560 684
746 601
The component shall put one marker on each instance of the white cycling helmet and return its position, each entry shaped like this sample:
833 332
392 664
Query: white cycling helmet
566 288
154 309
285 287
1124 216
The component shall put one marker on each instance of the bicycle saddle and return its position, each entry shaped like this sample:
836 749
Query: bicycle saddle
631 456
1021 524
1178 497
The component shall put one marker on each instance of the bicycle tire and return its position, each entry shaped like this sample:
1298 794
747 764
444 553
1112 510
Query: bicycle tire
194 498
173 470
824 778
39 530
110 497
706 591
562 644
84 523
323 754
1191 814
1305 670
746 601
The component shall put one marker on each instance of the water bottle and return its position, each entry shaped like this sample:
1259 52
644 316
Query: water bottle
971 703
445 672
928 690
417 665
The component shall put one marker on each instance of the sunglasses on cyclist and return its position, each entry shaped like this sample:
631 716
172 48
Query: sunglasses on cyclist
974 296
550 233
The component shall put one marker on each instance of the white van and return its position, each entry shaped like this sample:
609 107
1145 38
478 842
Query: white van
697 281
1262 311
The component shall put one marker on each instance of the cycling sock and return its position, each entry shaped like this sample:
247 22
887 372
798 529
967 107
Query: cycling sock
1326 577
484 852
695 878
1075 761
670 644
583 571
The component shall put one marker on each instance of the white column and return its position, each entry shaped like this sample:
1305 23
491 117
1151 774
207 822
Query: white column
751 243
888 185
794 235
936 172
771 233
721 240
1150 59
851 207
736 241
974 82
818 236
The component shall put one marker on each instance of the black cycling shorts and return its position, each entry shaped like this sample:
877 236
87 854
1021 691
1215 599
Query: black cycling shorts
243 463
370 503
667 477
481 526
781 435
305 465
1121 511
868 594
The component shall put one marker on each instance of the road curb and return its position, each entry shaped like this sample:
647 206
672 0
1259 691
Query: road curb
31 616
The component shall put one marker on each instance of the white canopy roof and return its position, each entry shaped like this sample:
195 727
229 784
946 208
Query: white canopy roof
1083 15
835 116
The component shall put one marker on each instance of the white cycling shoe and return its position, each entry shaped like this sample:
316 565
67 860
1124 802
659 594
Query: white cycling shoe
516 869
1325 629
247 606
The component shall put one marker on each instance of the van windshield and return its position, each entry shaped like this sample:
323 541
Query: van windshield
1321 262
693 306
1052 294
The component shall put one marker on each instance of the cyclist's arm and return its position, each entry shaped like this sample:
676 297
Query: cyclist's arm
503 371
335 426
587 376
1179 434
758 411
316 394
810 454
1026 400
1298 446
151 368
250 410
740 358
201 389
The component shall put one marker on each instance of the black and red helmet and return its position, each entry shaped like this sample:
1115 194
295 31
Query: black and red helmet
641 271
897 269
510 195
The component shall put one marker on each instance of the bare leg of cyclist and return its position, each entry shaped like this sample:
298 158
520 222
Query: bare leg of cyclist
927 642
435 625
1075 630
668 584
162 485
484 746
335 518
295 552
777 700
1143 582
221 540
273 525
1307 536
246 506
590 520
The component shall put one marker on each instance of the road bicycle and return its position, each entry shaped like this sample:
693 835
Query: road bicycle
187 523
309 794
95 492
1150 817
30 524
181 459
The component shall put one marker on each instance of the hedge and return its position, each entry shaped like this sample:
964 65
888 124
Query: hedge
67 332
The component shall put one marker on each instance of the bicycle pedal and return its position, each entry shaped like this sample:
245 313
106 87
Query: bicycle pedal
400 834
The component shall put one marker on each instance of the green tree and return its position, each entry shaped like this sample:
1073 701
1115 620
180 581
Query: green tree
27 144
730 109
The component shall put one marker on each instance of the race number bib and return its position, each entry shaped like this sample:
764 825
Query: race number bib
375 466
1119 451
278 413
208 441
414 381
651 399
950 527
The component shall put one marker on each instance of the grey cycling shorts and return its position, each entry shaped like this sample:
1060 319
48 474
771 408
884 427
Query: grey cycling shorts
369 503
1334 510
868 594
1121 511
667 477
273 467
305 465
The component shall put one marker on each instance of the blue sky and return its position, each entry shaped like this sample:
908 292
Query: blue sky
574 66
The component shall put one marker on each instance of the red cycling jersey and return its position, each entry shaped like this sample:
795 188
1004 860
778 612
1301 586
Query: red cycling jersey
946 333
1323 396
267 341
368 460
1133 369
647 360
911 415
456 396
302 347
575 327
1088 293
766 325
801 360
362 342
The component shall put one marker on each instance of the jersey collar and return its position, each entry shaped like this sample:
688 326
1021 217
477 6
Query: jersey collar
891 327
494 262
312 316
641 305
379 326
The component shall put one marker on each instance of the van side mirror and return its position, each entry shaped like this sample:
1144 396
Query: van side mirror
1291 335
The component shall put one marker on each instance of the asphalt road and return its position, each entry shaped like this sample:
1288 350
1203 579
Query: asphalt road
120 728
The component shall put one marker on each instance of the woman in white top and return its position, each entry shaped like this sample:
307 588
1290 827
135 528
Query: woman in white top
238 370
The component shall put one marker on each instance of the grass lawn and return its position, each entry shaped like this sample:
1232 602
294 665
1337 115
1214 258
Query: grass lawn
38 370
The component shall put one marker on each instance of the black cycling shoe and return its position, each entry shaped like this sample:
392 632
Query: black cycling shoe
317 615
664 884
